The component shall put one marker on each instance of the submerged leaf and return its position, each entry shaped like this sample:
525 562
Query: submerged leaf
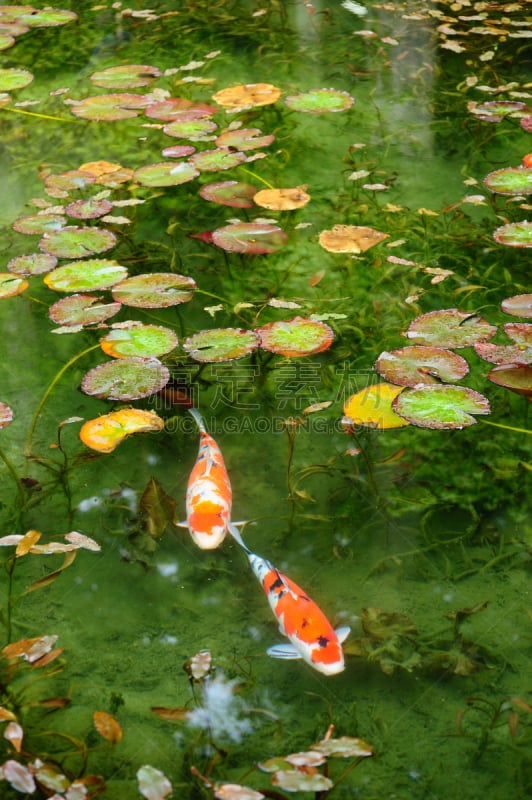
107 726
157 507
320 101
6 415
296 780
105 433
153 784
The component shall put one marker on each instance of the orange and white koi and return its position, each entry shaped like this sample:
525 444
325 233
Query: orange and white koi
311 635
209 496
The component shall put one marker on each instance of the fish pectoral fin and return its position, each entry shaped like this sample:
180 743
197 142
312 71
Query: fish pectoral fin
183 524
285 651
343 633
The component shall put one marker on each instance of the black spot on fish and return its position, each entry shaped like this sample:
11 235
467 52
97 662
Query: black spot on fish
323 641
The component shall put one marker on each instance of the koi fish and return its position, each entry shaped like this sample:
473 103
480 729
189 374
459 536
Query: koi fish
209 497
311 635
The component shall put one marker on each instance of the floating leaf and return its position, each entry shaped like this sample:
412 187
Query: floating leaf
127 76
172 714
513 376
107 726
504 354
39 223
126 379
221 344
520 305
282 199
89 209
372 407
6 415
79 276
26 543
440 407
74 242
82 309
190 125
11 285
33 264
250 237
296 337
68 181
344 747
249 95
515 234
173 107
320 101
6 41
106 173
157 508
178 151
156 290
229 193
235 791
166 173
138 340
350 239
44 18
410 366
110 106
11 79
296 780
244 139
153 784
105 433
510 180
450 328
80 540
217 160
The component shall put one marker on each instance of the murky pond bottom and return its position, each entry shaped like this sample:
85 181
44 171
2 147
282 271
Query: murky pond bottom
308 221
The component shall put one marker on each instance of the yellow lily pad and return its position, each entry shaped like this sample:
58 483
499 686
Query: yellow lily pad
105 433
372 407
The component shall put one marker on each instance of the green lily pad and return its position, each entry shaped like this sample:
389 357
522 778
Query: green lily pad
6 415
166 173
221 344
450 328
80 276
245 139
173 107
274 764
410 366
82 309
126 76
6 41
441 407
250 237
229 193
89 209
126 379
39 223
45 18
190 125
67 181
297 780
516 377
178 151
519 305
138 340
510 180
320 101
11 79
296 337
155 290
344 747
217 160
11 285
497 110
110 107
74 242
33 264
515 234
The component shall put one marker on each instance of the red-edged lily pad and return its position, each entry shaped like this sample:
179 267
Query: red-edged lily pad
515 234
82 309
250 237
74 242
372 407
89 209
80 276
126 379
33 264
167 110
516 377
6 415
526 123
217 160
497 110
441 406
110 107
136 339
57 184
126 76
166 173
247 95
450 328
178 151
510 180
410 366
193 125
12 78
11 285
39 223
105 433
504 354
520 305
6 41
44 18
221 344
320 101
296 337
245 139
106 173
229 193
155 290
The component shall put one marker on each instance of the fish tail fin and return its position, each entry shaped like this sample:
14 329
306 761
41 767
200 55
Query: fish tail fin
198 419
235 533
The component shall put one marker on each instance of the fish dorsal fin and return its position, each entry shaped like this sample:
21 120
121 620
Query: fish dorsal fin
343 633
199 419
285 651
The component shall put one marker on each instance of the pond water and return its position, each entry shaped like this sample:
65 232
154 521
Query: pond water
416 536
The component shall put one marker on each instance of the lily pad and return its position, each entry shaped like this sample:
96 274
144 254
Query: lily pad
33 264
504 354
126 76
510 180
248 95
178 151
80 276
497 110
217 160
138 340
39 223
155 290
372 407
450 328
126 379
350 239
344 747
282 199
166 173
106 173
221 344
320 101
441 407
6 41
110 107
515 234
297 780
245 139
45 18
229 193
74 242
296 337
11 285
105 433
6 415
410 366
89 209
68 180
11 79
519 305
516 377
82 309
193 126
167 110
250 237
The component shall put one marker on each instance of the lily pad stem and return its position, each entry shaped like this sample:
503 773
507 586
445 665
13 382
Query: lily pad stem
41 116
257 177
505 427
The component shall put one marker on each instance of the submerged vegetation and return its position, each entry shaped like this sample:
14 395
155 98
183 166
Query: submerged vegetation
246 208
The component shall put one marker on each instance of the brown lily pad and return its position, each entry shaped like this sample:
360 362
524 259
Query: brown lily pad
249 95
350 239
282 199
